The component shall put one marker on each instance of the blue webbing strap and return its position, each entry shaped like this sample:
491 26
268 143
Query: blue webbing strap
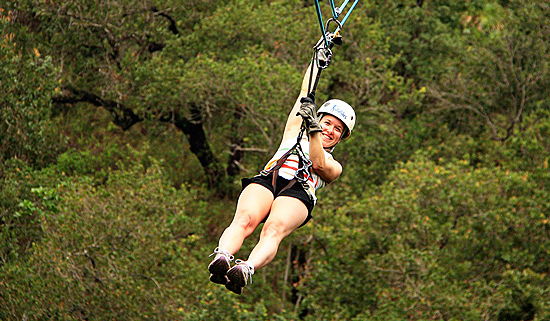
349 11
320 17
335 13
327 38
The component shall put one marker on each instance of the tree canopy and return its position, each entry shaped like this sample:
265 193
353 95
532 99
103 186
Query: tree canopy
126 127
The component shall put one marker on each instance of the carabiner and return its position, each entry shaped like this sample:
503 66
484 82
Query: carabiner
323 56
336 21
305 172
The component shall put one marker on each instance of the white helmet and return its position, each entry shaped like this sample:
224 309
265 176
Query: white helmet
341 110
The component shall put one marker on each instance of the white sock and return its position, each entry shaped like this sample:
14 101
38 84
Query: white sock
250 267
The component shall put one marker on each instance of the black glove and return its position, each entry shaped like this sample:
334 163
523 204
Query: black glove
309 115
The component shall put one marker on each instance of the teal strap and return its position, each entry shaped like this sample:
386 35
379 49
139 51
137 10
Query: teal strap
334 12
320 17
349 11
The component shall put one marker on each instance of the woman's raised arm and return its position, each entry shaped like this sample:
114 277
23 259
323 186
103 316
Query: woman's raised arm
294 122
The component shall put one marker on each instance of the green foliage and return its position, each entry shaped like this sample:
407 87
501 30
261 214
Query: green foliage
421 37
246 88
436 241
441 211
23 194
28 83
507 77
232 30
120 251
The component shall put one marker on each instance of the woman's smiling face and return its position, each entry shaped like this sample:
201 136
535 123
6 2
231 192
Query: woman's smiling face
333 129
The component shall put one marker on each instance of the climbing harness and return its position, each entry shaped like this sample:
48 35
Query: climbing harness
304 164
322 56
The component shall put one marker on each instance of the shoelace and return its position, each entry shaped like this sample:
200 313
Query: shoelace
224 253
246 269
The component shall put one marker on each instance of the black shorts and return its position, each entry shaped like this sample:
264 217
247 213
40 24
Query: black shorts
297 191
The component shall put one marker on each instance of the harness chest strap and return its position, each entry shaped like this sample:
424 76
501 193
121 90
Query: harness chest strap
275 170
279 164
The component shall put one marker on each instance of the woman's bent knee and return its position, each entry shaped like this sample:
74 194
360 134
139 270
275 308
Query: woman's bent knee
275 229
245 221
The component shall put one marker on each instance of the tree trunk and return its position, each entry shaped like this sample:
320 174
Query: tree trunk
193 130
125 118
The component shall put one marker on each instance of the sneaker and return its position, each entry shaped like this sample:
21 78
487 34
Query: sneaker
219 266
239 276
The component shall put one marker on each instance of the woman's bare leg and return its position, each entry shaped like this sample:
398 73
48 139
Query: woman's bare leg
287 214
253 206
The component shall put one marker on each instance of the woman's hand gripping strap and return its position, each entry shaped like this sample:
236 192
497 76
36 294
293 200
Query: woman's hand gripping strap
309 115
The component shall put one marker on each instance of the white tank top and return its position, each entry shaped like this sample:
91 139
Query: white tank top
290 166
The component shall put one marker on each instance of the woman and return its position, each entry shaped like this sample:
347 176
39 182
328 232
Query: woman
283 203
